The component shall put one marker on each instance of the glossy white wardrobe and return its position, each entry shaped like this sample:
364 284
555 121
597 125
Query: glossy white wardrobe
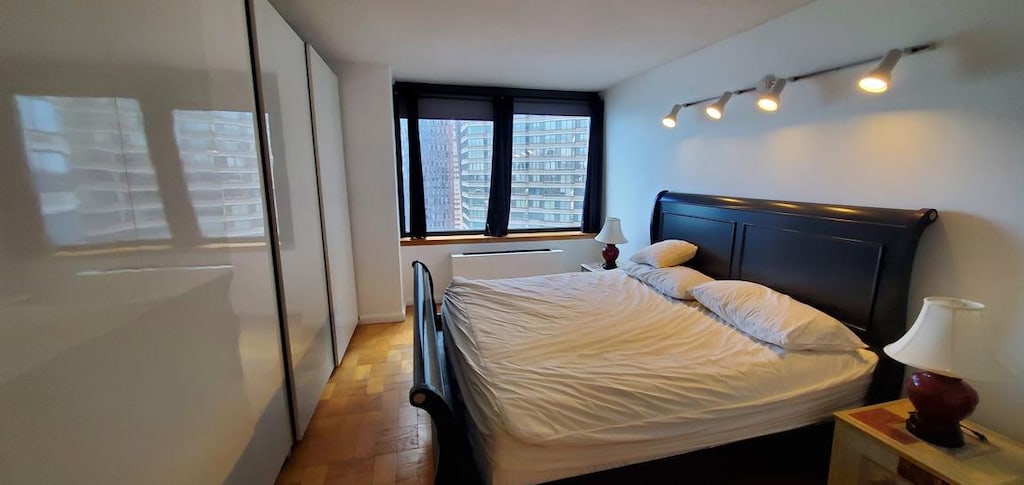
141 338
325 94
139 335
288 128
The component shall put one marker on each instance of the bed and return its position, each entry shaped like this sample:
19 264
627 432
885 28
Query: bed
606 378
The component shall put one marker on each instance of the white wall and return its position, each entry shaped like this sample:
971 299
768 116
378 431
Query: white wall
948 135
368 125
437 258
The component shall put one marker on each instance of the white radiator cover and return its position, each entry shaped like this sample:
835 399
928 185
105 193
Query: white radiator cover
507 264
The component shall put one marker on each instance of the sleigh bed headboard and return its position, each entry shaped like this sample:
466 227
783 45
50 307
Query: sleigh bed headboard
853 263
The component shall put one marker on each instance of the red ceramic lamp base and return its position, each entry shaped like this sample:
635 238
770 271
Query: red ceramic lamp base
941 403
610 254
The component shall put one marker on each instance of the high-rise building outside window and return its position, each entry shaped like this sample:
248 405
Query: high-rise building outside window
456 164
553 168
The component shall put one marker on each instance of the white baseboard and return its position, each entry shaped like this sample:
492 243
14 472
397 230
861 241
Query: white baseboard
382 318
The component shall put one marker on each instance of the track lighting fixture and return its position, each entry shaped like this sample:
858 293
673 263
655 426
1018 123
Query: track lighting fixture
877 81
769 88
717 109
768 95
670 119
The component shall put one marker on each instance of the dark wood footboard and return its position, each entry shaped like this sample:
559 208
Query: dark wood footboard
434 389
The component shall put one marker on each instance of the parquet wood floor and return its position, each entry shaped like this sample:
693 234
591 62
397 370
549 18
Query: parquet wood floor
364 430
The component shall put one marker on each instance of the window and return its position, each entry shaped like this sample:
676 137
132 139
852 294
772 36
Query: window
534 147
456 178
558 163
403 173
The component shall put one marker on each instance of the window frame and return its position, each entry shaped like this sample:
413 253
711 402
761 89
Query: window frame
406 99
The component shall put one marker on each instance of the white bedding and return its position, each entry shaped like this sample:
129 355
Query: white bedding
578 372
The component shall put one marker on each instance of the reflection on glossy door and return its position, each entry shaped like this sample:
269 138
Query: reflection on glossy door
77 149
139 335
285 95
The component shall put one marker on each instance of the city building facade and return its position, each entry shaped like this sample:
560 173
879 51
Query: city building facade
548 171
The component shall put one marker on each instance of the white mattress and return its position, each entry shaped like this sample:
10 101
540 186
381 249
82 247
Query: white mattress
578 372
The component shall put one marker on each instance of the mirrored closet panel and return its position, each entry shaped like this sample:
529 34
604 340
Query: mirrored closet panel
325 96
139 335
284 91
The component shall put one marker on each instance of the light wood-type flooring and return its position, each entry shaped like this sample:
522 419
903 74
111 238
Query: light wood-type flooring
364 430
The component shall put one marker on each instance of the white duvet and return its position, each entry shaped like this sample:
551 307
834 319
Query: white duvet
593 359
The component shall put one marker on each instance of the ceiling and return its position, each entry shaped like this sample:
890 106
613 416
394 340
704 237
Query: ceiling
550 44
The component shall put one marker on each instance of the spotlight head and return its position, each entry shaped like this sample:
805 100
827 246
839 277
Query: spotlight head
670 119
717 109
768 103
878 80
768 96
874 84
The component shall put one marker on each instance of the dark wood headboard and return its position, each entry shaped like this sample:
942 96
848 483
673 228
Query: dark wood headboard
853 263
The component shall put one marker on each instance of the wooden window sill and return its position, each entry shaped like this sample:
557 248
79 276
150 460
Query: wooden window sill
477 238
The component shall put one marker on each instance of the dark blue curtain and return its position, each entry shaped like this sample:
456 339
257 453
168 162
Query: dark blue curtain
500 200
592 200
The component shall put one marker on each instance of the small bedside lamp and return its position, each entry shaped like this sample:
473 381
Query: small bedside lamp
610 235
948 342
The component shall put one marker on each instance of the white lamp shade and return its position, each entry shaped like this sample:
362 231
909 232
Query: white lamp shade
949 338
611 233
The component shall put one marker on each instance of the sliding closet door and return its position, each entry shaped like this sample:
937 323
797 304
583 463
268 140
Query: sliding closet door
139 333
323 85
285 95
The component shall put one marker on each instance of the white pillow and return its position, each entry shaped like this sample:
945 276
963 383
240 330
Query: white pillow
773 317
670 252
675 281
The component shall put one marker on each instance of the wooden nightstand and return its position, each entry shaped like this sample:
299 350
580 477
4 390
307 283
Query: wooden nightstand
871 446
595 267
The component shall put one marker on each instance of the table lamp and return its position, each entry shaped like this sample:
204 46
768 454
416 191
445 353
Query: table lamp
948 343
610 235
